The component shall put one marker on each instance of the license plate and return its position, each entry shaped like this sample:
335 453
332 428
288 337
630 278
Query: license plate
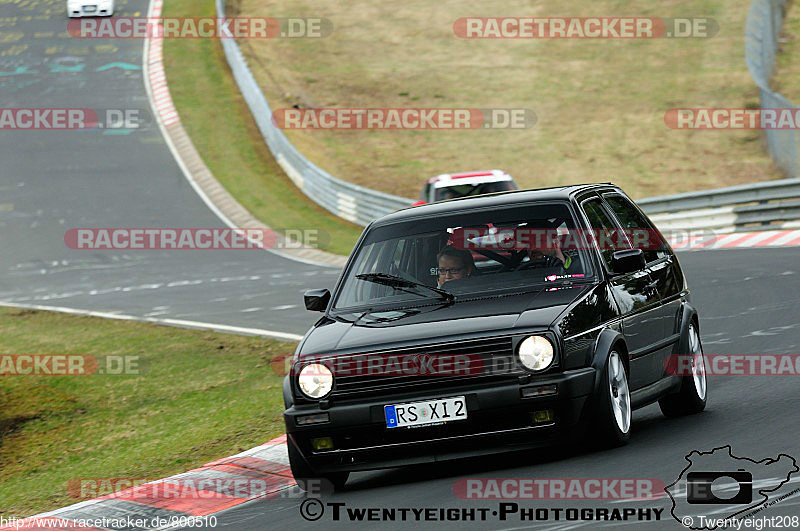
90 9
426 412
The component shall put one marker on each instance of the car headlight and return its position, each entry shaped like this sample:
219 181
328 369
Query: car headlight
315 380
536 353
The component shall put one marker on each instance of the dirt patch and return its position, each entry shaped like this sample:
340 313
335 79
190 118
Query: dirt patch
12 424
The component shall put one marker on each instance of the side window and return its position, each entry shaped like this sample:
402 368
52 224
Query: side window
607 233
640 230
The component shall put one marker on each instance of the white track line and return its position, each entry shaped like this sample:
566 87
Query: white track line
195 325
151 13
165 111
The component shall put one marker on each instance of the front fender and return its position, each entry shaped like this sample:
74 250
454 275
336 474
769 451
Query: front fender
603 347
688 313
288 401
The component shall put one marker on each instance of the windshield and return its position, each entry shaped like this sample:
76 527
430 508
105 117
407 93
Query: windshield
466 190
467 255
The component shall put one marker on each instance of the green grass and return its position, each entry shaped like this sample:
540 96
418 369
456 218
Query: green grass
787 72
600 103
203 396
220 125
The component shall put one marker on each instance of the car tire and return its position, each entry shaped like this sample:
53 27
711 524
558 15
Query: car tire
693 394
303 473
613 419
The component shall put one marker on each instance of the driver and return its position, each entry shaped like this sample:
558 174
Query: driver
454 264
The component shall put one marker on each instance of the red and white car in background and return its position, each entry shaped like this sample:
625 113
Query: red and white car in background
455 185
90 8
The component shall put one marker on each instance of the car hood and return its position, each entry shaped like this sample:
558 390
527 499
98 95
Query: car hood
431 324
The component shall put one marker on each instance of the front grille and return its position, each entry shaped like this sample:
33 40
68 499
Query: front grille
496 354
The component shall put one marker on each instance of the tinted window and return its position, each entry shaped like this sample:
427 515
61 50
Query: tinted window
641 231
467 190
608 237
475 253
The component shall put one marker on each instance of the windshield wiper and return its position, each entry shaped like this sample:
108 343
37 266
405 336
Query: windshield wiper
403 284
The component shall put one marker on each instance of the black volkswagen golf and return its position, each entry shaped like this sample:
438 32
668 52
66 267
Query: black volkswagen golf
490 324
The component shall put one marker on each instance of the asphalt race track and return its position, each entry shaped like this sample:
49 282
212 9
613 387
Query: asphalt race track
747 301
51 181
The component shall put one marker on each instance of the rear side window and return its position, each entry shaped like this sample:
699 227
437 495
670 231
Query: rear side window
645 235
599 223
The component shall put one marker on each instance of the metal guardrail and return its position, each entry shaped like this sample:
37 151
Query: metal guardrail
754 206
744 193
764 21
744 207
349 201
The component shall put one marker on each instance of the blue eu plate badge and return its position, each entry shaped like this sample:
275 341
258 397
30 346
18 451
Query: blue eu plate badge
391 416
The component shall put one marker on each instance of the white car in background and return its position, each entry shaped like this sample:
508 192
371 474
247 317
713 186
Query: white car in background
90 8
454 185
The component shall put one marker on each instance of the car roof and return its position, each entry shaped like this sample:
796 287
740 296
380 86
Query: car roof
497 199
452 179
472 181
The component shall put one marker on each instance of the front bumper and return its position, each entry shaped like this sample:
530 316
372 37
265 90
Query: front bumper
499 420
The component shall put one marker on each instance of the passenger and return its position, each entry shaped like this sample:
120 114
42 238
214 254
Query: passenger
454 264
552 256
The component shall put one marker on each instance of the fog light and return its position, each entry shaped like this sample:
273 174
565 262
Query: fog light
313 419
539 390
545 415
323 443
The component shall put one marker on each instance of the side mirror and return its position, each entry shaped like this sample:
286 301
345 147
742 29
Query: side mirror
627 261
317 299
